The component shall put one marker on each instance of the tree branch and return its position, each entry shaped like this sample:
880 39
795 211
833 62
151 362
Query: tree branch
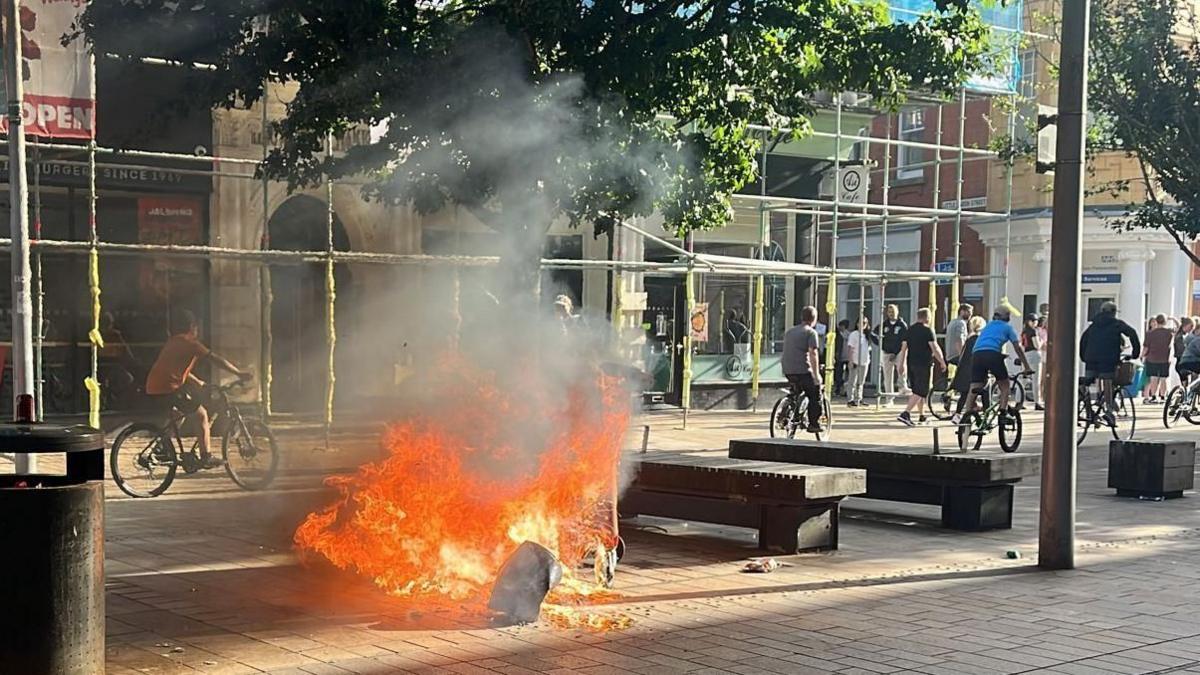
1187 250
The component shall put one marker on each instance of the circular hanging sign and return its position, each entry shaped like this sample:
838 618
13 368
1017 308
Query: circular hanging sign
851 181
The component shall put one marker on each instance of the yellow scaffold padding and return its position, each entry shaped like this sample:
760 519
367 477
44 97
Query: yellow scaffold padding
91 383
94 286
830 336
93 390
1005 304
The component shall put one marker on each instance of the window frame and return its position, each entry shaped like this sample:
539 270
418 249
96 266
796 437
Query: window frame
911 127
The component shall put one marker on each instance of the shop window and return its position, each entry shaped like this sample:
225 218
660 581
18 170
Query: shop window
899 293
858 300
1027 105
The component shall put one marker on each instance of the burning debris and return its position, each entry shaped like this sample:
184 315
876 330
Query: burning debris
526 578
493 487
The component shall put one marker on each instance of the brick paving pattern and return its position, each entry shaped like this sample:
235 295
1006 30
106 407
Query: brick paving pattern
203 580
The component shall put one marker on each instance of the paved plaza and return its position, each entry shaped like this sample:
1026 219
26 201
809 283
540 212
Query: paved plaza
203 579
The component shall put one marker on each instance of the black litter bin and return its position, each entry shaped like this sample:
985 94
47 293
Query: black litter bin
52 554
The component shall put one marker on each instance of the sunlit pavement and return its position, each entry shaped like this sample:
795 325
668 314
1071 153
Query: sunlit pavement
204 579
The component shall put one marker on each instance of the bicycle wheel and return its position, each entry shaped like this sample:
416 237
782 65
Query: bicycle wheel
943 404
1084 419
1174 408
1016 394
826 423
1189 408
1009 428
251 456
143 460
1125 416
969 435
781 416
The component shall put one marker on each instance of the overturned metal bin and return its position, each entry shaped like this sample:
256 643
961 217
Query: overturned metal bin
52 554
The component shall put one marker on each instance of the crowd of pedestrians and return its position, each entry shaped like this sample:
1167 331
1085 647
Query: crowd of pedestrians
1169 351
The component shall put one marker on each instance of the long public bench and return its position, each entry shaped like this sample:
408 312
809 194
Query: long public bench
975 490
794 508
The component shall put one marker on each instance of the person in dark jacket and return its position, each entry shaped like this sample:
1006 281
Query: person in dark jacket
1100 347
891 333
962 374
1183 331
839 352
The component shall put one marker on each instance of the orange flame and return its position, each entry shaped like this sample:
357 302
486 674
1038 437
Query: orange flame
493 466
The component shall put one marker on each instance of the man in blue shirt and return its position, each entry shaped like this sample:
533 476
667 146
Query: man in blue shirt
987 358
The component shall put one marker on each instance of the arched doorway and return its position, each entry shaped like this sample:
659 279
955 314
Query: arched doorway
299 352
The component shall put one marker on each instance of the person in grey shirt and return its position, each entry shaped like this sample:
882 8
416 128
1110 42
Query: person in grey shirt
956 332
801 366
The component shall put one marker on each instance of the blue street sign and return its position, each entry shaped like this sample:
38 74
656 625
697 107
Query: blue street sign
944 266
1102 278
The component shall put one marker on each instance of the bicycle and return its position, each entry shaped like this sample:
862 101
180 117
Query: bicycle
790 414
146 455
1182 402
1093 411
943 403
976 424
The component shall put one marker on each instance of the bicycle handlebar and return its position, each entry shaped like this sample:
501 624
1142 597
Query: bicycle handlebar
230 386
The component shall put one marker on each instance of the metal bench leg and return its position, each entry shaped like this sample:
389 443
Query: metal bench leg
799 529
978 508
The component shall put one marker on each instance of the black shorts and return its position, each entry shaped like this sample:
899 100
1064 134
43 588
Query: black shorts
1100 371
1158 370
1186 370
918 377
186 399
988 363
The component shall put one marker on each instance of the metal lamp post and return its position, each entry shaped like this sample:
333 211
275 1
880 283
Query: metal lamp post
1056 535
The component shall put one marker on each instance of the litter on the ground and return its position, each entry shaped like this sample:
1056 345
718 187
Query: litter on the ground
762 565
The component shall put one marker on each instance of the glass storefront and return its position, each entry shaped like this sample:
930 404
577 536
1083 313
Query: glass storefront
138 293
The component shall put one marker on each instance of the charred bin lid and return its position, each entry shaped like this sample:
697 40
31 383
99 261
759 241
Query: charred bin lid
83 445
39 437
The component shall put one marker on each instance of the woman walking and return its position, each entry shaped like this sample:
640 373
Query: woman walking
1156 355
858 356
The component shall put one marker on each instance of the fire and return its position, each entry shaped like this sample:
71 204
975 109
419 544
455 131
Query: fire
493 464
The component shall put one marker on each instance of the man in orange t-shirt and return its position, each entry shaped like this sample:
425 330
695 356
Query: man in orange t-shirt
171 377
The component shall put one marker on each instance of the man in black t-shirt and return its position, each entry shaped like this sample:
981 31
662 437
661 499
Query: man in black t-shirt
919 350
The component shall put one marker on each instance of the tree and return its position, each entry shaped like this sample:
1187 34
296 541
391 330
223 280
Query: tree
1145 88
523 112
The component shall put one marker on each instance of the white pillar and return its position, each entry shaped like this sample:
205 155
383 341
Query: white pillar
995 283
1014 287
1042 258
1164 295
1182 283
1132 301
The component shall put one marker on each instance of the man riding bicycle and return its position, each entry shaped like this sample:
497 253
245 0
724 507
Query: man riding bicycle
987 357
1100 348
172 383
801 364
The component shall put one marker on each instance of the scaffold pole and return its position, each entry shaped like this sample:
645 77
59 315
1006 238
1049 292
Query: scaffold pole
955 295
330 297
22 303
764 240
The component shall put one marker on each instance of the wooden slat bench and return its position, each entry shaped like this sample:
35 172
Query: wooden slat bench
794 508
975 490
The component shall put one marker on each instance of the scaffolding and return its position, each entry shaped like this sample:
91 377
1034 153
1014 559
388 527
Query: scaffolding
829 217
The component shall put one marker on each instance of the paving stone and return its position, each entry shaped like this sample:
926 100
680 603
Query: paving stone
900 595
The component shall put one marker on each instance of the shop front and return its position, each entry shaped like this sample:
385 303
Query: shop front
1144 271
